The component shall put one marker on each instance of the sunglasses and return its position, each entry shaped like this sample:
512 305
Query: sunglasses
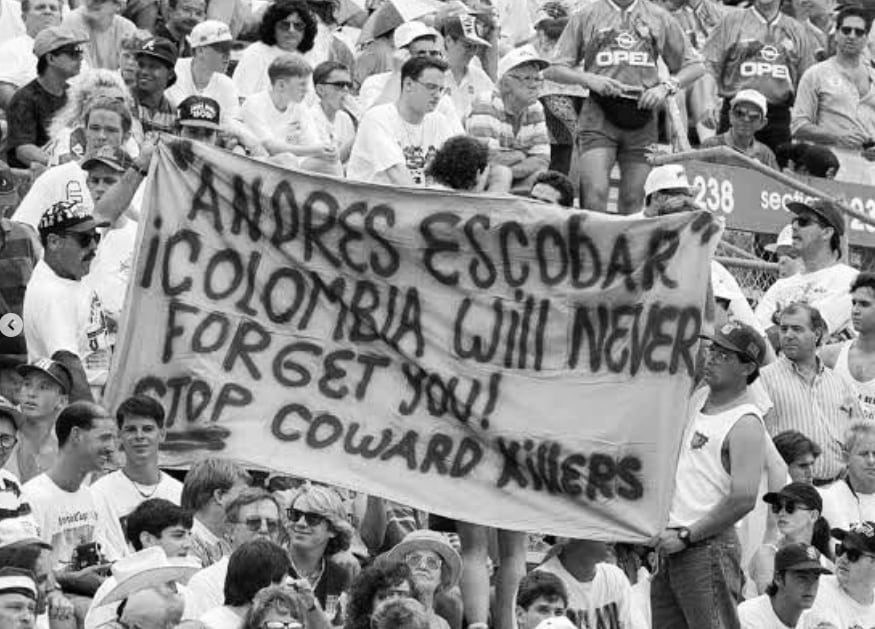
343 85
289 25
853 554
789 507
749 116
850 30
312 519
76 53
254 524
278 624
804 221
434 54
414 561
8 441
83 239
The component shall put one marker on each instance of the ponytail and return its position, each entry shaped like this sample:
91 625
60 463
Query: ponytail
820 538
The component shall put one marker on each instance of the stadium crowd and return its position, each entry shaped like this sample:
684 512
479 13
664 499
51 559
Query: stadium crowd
772 519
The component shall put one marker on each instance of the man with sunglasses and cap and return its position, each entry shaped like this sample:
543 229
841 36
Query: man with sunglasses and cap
465 77
718 477
746 117
156 60
59 54
847 598
63 316
818 227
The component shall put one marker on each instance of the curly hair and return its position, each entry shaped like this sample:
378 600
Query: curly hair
365 587
281 10
273 597
458 162
402 613
82 90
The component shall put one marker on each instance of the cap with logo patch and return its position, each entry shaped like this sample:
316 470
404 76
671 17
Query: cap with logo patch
741 339
860 536
160 48
199 111
464 27
67 216
51 368
209 32
113 157
799 557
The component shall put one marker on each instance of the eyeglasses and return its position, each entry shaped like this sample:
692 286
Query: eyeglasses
254 524
414 561
749 116
341 85
433 88
83 239
789 507
312 519
853 554
8 441
527 80
288 25
847 31
278 624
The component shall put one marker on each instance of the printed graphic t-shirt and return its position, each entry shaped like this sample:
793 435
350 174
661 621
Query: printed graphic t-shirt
603 602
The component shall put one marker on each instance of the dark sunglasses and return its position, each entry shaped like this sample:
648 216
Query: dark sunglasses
850 30
254 524
288 25
852 554
750 116
789 507
83 239
344 85
804 221
312 519
76 53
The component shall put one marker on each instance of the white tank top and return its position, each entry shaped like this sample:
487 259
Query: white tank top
865 390
701 481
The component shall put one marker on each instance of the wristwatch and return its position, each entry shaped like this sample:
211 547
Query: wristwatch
671 85
684 536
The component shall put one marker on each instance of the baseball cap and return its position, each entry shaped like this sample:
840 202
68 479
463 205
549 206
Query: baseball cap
754 98
667 177
68 216
741 339
464 27
799 556
518 57
113 157
160 48
20 531
17 581
53 369
409 32
55 37
796 492
825 210
860 536
199 111
209 32
9 409
785 240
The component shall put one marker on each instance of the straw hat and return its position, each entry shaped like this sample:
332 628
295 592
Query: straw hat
435 542
146 569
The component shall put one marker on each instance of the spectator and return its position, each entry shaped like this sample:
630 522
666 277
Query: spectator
24 550
436 567
798 509
541 595
833 105
818 227
377 56
763 49
809 160
19 254
374 585
44 393
854 360
274 605
511 119
328 45
63 505
63 318
554 188
797 571
18 596
128 56
105 29
596 589
852 499
404 613
287 26
183 17
199 118
282 124
251 514
209 485
14 510
140 421
155 62
847 599
466 78
617 123
396 141
462 163
789 262
59 54
19 62
253 565
335 125
799 453
807 395
716 485
747 116
152 608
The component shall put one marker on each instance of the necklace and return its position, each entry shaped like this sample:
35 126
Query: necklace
137 486
313 577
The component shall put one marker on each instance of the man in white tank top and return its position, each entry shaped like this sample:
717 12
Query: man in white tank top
854 360
698 582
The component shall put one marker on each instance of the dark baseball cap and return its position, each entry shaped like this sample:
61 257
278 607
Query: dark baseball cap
51 368
827 211
113 157
68 216
160 48
199 111
860 536
741 339
797 492
800 557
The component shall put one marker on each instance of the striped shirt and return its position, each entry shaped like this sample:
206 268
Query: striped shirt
161 119
822 410
501 130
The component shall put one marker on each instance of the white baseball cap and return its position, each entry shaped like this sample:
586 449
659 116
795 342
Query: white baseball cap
209 32
519 56
667 177
785 239
408 32
754 98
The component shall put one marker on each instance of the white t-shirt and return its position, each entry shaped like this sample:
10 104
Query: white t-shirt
829 290
220 88
841 508
65 519
98 616
61 183
605 601
294 125
111 268
250 75
61 314
832 605
11 24
19 62
222 618
117 496
385 140
339 132
208 587
757 613
475 82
